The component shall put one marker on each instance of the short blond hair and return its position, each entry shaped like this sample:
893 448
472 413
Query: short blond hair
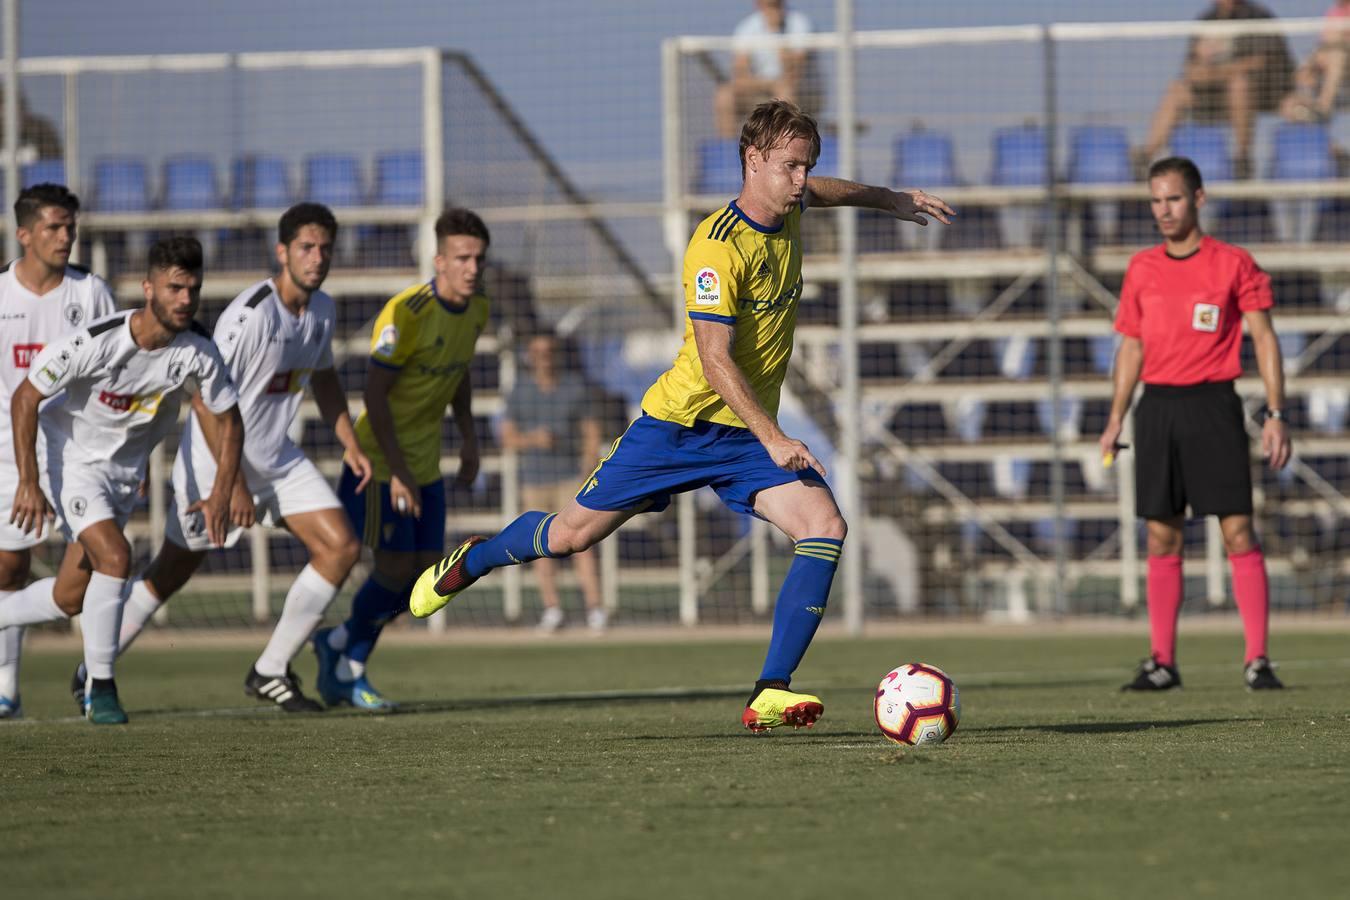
775 122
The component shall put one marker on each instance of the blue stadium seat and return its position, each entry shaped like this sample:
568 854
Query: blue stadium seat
924 159
1019 156
260 182
43 171
1103 349
719 167
1302 153
398 178
190 183
1207 147
1099 154
333 179
120 185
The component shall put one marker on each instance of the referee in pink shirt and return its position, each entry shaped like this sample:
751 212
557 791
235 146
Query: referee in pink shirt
1182 305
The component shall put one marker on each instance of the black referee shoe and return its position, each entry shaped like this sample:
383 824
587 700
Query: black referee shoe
1154 676
282 690
1259 675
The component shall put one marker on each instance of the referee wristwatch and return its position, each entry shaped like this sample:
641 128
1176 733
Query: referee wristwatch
1276 414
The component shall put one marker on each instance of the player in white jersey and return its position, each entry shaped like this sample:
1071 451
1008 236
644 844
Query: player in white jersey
276 338
42 297
122 379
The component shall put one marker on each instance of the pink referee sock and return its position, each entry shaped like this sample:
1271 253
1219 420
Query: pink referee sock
1251 589
1164 605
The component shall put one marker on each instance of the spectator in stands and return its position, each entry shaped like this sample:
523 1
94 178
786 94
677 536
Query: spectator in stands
1182 308
38 138
1318 82
551 422
760 74
1226 78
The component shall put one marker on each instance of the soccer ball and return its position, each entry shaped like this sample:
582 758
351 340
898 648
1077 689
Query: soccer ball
917 704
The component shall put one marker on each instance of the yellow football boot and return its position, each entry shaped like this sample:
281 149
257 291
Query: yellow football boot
775 706
442 582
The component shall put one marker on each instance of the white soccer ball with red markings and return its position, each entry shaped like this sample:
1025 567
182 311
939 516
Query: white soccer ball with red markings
917 704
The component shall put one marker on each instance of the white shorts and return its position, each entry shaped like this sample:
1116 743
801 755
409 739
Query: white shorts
82 495
11 536
303 489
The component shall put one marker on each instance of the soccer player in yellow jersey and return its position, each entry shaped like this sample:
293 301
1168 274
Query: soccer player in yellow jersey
711 420
421 348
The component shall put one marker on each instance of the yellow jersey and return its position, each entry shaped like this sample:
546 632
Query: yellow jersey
430 344
742 274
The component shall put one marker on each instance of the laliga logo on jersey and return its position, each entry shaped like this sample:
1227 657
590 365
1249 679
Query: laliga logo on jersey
176 372
707 288
24 354
387 341
74 315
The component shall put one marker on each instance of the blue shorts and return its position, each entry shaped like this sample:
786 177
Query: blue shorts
656 459
373 517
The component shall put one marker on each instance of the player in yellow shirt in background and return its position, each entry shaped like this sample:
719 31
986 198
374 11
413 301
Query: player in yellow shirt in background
711 420
421 348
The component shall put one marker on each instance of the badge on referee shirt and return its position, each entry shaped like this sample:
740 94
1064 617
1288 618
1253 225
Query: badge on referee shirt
1205 317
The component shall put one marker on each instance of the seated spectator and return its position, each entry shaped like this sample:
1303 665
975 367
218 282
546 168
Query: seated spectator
1226 79
1318 82
38 138
760 74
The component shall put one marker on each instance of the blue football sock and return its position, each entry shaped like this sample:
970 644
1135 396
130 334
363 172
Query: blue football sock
801 604
524 540
374 606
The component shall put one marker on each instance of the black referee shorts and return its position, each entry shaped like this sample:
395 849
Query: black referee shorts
1191 449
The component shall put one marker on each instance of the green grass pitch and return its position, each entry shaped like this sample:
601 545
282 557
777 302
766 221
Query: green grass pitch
1055 784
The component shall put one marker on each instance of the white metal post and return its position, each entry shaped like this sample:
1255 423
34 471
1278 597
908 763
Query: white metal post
11 149
1216 586
159 502
260 556
433 161
512 594
433 185
1129 533
675 226
850 399
759 566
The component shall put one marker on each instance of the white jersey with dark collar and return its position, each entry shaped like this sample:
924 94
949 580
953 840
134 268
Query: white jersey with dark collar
271 353
120 400
29 322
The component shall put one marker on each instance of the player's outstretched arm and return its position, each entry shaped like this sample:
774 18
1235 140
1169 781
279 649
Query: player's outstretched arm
1275 444
332 402
29 510
1129 363
462 407
228 427
714 341
911 206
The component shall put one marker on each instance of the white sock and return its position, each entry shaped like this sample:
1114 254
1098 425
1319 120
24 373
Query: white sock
31 606
11 646
306 602
349 669
100 622
139 606
337 638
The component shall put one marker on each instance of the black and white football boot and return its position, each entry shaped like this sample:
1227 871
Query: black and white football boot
1154 676
283 690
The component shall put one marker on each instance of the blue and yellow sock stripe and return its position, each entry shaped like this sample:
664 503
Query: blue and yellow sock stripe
823 549
540 536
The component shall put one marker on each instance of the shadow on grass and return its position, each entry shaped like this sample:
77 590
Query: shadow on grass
1102 727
